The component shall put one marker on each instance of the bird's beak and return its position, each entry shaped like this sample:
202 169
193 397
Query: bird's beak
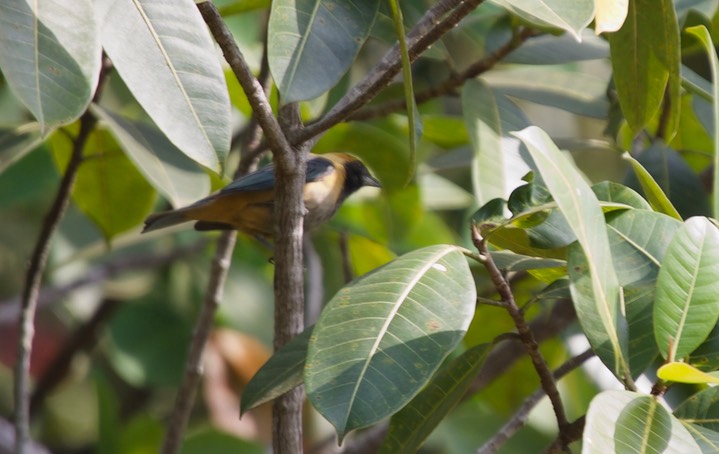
369 180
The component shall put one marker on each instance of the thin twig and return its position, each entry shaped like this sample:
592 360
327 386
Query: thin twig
452 83
438 20
10 308
530 343
35 271
519 418
83 339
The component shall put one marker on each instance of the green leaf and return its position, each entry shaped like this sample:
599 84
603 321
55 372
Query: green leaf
50 57
609 15
380 339
656 197
703 35
628 422
510 261
702 409
497 168
557 50
108 189
566 89
685 373
312 43
173 174
645 58
570 15
164 53
638 240
597 303
706 356
15 143
708 440
609 191
409 428
686 307
282 372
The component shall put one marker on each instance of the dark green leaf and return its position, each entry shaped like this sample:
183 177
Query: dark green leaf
312 43
412 425
15 143
380 339
282 372
211 440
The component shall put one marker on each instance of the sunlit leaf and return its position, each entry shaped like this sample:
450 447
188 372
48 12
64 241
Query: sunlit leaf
50 56
569 15
686 307
609 15
380 339
685 373
164 53
596 303
497 167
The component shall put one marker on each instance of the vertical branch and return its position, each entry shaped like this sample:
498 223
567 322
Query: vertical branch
540 365
33 278
289 207
193 367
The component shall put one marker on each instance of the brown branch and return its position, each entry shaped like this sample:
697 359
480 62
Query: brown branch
530 343
438 20
452 83
35 271
519 418
572 433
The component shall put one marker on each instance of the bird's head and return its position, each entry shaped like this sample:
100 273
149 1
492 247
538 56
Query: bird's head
356 174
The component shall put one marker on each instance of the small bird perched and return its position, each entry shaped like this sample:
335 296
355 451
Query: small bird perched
247 204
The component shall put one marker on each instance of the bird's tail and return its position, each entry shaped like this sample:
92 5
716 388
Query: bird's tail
165 219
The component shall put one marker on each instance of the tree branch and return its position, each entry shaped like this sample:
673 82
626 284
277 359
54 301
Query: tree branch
452 83
35 271
437 21
540 365
519 418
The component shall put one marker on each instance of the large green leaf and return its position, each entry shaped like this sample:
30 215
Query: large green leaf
708 440
413 424
628 422
554 86
556 50
569 15
109 189
597 303
164 53
497 168
703 35
312 43
172 173
652 191
281 373
380 339
50 56
645 58
686 307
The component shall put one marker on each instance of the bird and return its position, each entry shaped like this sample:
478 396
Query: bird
247 203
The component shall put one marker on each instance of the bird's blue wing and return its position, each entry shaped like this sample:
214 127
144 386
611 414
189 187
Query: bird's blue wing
264 178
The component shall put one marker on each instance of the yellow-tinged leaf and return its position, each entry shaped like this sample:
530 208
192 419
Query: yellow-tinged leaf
609 15
684 373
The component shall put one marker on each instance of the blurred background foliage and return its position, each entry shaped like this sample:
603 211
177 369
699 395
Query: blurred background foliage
124 304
